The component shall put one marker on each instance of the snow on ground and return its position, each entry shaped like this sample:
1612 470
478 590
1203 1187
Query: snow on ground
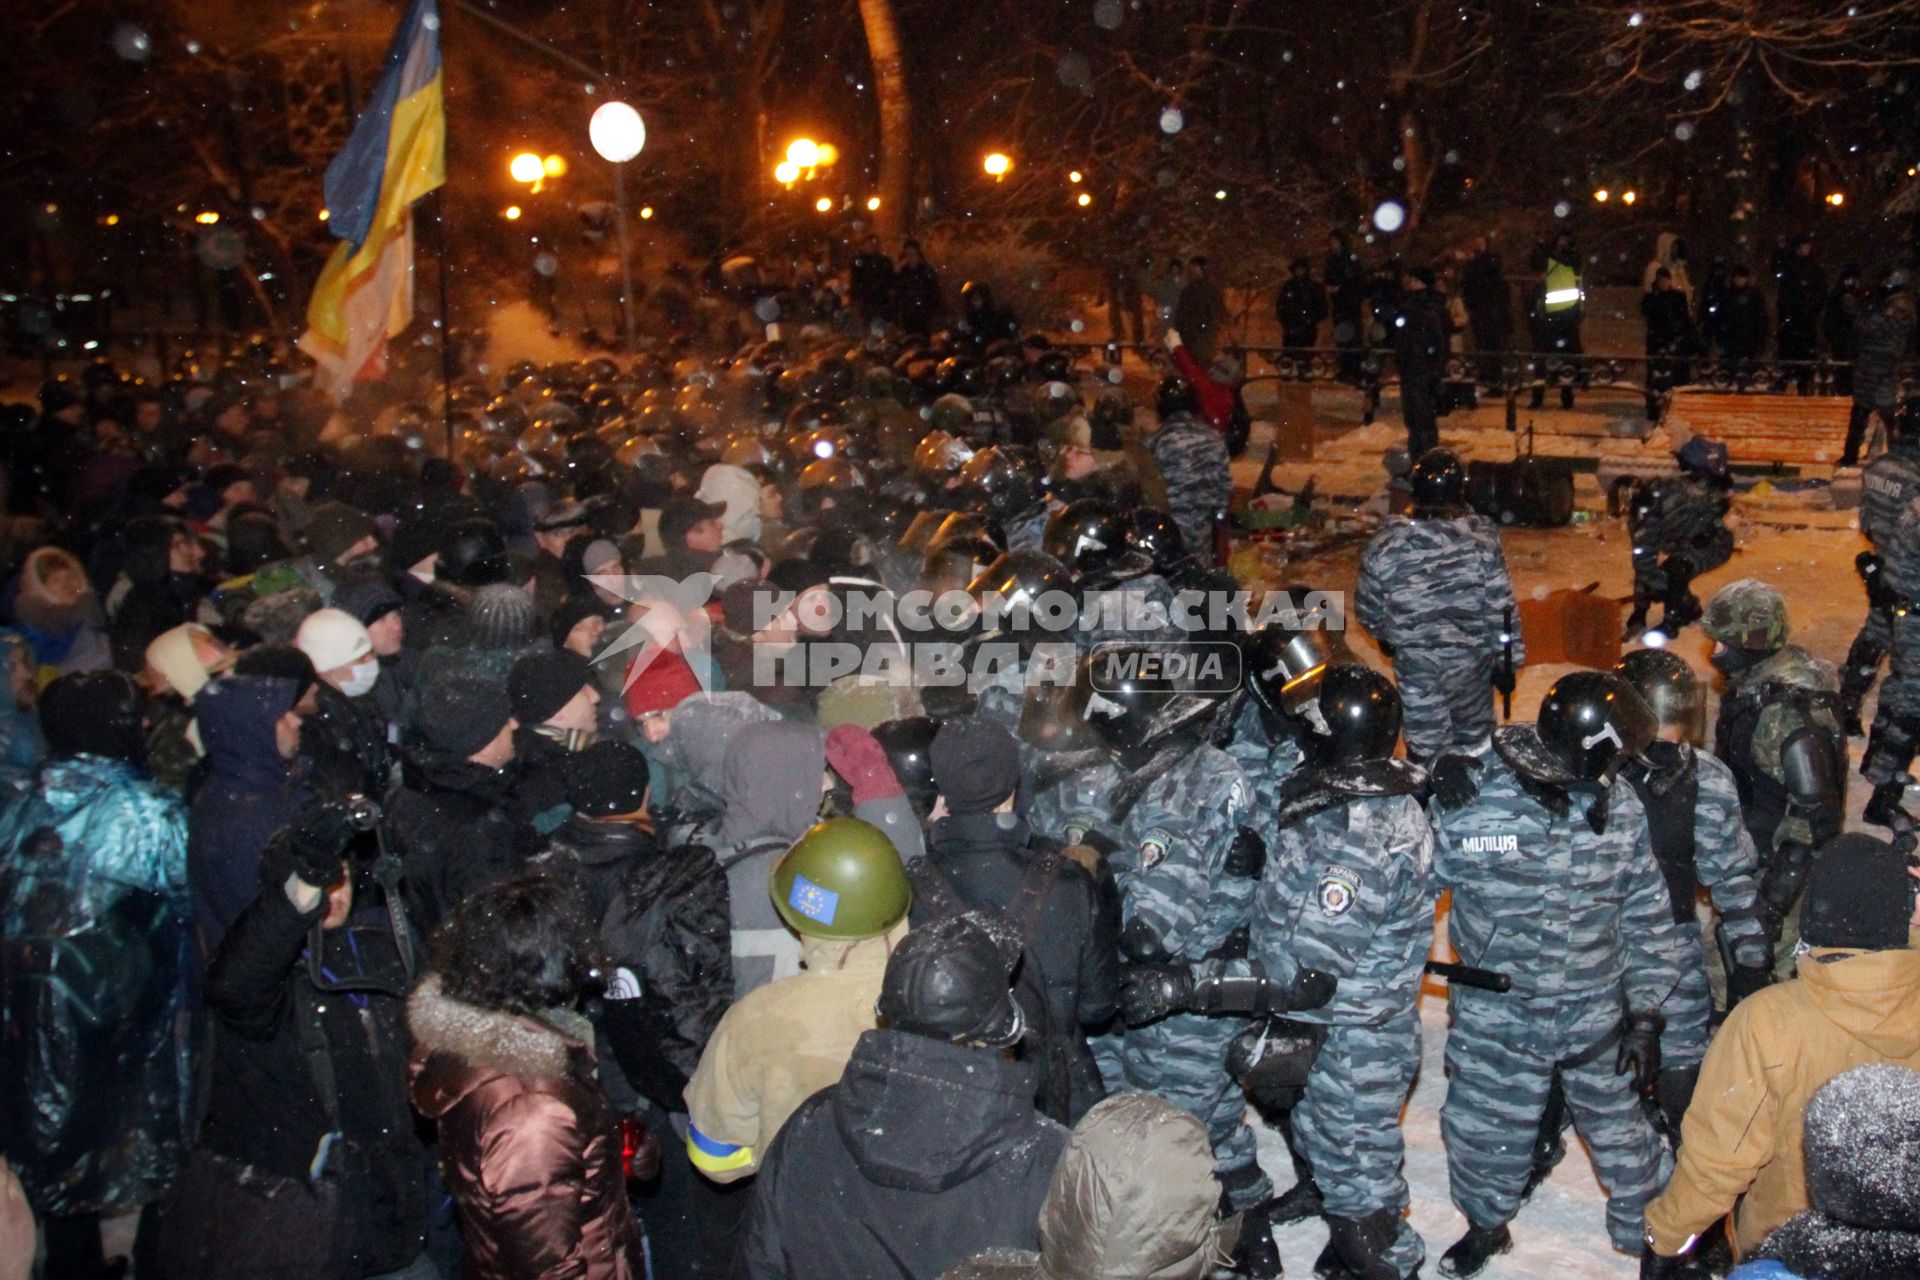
1560 1233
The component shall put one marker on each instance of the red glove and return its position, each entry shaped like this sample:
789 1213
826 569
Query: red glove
857 756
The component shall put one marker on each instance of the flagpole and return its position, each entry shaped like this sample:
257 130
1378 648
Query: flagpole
446 347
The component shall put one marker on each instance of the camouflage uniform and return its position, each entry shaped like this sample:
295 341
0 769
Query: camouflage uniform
1437 591
1759 711
1896 721
1138 608
1890 482
1576 920
1699 839
1267 762
1027 531
1347 892
1192 459
1171 871
1077 806
1679 532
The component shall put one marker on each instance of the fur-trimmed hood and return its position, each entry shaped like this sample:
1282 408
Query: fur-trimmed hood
461 1046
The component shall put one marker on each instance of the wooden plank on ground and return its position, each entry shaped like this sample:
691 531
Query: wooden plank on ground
1762 429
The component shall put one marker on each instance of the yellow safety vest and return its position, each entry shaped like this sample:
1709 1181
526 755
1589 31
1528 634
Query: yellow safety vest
1563 288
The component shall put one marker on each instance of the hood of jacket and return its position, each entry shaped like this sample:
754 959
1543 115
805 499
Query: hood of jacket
736 489
459 1046
1872 996
597 842
703 727
1663 246
430 770
237 716
1133 1197
924 1115
770 781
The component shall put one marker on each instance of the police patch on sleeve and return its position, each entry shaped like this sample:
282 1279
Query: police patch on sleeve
1153 849
1337 890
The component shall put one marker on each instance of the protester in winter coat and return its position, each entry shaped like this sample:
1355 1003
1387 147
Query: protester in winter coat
308 1087
1669 255
96 922
1863 1148
688 733
375 605
735 489
22 745
1856 1002
55 611
162 568
556 706
504 1065
1489 302
1882 335
662 920
985 853
929 1149
1300 306
254 787
1133 1195
451 824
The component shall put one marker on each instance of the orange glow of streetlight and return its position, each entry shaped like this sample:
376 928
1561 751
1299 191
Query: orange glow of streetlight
803 153
1075 176
512 213
1602 195
1837 199
553 166
997 165
829 155
1628 197
646 213
1083 200
206 219
786 173
824 204
527 167
873 204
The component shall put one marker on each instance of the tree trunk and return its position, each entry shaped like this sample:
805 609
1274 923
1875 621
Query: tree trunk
895 217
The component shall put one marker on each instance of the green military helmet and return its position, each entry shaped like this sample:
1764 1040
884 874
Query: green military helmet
1747 614
841 880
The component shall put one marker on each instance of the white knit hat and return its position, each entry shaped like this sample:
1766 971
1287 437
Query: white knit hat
333 638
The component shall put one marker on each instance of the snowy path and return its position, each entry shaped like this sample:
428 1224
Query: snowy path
1560 1233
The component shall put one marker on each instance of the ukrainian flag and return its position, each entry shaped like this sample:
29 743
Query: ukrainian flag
397 153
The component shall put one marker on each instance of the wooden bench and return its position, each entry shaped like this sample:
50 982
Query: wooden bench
1763 430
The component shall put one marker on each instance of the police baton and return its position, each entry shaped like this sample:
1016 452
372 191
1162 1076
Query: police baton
1506 657
1465 975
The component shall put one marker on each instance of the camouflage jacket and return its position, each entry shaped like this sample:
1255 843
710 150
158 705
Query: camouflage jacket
1538 896
1078 805
1347 891
1193 463
1790 690
1901 551
1437 584
1171 864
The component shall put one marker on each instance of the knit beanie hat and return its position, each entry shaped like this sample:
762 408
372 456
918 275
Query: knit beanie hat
607 779
571 613
367 597
1862 1144
172 654
976 765
1859 896
542 683
333 528
276 618
461 714
332 638
502 617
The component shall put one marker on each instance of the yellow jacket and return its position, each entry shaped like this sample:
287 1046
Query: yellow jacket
1742 1135
779 1046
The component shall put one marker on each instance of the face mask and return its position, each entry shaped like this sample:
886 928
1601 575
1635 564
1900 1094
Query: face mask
1733 663
361 677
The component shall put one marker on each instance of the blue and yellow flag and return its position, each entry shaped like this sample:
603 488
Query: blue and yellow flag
397 153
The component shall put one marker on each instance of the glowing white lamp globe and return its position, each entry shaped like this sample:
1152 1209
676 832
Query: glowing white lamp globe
617 132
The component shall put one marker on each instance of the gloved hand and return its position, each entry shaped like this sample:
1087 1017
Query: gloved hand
857 756
1455 780
1386 648
1743 980
1247 857
1640 1049
315 843
1149 992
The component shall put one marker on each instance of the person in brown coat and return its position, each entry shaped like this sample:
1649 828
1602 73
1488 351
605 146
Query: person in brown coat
1855 1003
528 1145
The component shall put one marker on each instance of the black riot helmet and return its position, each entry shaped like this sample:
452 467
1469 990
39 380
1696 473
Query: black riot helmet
1003 480
908 743
1439 481
1284 667
1027 594
1591 722
1090 537
473 553
1667 685
1175 395
1134 701
1361 711
1154 532
963 376
1904 433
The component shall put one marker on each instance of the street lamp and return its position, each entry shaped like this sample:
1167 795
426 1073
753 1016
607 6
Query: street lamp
873 204
997 165
1836 199
803 153
617 134
1602 195
786 173
824 204
527 167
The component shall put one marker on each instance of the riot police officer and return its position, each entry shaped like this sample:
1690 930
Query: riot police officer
1890 482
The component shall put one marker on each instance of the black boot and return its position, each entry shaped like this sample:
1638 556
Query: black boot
1256 1255
1302 1200
1682 607
1636 621
1885 810
1328 1265
1360 1245
1472 1251
1549 1147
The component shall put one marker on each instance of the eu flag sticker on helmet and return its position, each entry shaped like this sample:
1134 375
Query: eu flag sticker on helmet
810 900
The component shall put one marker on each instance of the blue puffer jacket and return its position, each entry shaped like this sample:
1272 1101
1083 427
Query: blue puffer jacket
22 745
95 1070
